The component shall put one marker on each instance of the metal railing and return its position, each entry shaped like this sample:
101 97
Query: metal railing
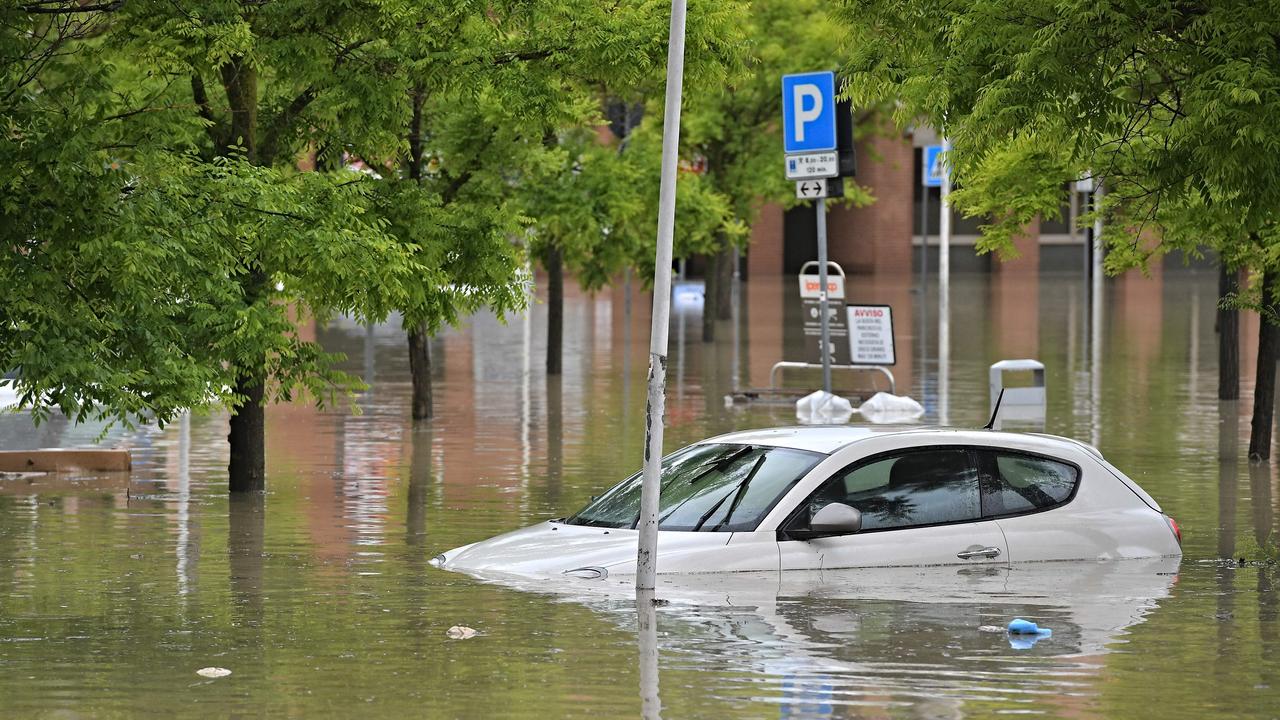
773 372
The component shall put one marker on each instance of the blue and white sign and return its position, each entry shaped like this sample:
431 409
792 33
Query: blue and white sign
934 169
809 112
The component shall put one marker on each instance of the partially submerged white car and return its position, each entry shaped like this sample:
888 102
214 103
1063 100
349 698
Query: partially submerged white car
814 498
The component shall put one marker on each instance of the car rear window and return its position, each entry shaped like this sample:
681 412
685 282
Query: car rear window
1015 483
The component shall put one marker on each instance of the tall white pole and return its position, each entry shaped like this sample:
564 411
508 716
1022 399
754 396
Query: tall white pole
1095 320
944 291
646 554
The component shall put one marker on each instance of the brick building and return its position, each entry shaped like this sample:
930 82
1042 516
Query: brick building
887 236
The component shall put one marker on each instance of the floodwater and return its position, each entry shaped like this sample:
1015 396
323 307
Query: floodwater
320 600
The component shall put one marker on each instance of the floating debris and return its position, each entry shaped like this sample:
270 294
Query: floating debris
461 632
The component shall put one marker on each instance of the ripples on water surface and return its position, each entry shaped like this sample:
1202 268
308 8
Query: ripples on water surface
319 597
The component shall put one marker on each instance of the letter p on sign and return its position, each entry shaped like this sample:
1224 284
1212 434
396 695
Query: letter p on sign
808 102
809 112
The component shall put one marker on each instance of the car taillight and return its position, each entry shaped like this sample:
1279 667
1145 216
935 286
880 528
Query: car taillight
1177 532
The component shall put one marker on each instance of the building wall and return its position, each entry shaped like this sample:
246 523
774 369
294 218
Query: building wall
877 238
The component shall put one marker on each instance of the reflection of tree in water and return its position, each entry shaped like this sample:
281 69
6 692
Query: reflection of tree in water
888 510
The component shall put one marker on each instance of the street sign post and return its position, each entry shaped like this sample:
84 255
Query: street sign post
930 176
809 124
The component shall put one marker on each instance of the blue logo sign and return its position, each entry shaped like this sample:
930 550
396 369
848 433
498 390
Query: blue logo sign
933 170
809 112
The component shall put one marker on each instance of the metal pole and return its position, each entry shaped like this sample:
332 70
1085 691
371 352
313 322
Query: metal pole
944 293
735 300
1098 251
924 223
646 553
822 295
1095 301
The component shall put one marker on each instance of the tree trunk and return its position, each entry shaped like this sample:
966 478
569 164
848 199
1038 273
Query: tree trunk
1228 337
1264 387
420 371
724 283
710 297
240 81
555 309
247 469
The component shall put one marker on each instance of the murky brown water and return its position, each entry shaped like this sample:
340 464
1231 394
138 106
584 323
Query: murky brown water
319 598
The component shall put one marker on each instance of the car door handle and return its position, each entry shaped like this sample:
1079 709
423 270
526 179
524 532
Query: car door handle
986 552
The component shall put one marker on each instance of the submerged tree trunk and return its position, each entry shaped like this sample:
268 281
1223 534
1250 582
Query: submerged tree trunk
724 282
1264 387
554 266
420 371
247 469
1228 337
710 297
419 337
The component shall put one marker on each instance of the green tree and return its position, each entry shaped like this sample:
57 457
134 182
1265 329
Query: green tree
622 56
1172 106
160 240
733 130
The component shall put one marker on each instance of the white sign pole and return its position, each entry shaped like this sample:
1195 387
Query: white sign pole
944 293
646 553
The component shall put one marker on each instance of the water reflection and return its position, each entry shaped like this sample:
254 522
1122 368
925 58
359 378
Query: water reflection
246 545
928 641
327 608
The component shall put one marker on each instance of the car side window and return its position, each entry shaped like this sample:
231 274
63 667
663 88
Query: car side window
1013 483
923 487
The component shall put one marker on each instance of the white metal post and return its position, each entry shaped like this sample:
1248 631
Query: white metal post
1095 320
822 295
646 553
924 220
944 291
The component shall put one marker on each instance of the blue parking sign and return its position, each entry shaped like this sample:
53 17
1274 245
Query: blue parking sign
809 112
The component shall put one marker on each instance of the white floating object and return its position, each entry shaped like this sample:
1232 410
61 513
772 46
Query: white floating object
886 408
821 407
461 632
213 672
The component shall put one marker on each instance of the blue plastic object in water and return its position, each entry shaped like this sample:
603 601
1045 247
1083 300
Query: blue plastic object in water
1024 634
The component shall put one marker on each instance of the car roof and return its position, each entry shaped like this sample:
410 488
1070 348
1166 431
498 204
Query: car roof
828 439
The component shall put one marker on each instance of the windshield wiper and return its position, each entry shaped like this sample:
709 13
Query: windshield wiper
737 498
711 466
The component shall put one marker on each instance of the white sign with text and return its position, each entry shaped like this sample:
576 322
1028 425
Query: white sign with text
871 334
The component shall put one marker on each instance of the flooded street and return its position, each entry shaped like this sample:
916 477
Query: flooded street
320 599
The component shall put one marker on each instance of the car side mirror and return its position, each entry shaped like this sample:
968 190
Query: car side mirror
837 519
831 519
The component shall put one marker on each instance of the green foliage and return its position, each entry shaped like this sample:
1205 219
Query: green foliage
1173 106
162 242
731 131
596 200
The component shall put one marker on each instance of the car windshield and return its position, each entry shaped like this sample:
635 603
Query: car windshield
713 488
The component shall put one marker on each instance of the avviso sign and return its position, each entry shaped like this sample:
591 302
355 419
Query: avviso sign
871 334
